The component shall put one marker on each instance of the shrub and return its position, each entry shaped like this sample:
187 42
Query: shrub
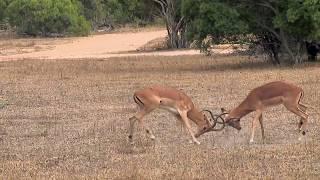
44 17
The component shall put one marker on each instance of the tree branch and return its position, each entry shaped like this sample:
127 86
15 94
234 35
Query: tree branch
268 5
163 5
180 23
269 29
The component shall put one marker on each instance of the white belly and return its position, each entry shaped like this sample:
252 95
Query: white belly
170 109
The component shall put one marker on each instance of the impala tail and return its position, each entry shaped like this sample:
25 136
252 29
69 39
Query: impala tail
137 100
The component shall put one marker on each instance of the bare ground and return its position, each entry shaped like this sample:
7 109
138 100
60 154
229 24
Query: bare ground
144 42
94 46
65 119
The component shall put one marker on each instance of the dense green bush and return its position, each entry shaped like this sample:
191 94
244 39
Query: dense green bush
44 17
283 25
3 6
212 17
117 12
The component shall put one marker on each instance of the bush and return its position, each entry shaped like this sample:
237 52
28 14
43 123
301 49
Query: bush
46 17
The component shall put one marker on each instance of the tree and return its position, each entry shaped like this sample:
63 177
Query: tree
93 10
210 17
111 12
44 17
175 22
3 6
282 26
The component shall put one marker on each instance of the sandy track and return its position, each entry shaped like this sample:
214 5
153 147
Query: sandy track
95 46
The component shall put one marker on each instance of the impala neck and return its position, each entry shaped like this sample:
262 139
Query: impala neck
240 111
197 117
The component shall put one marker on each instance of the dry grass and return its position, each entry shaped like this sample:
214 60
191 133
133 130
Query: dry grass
69 119
12 46
132 28
155 45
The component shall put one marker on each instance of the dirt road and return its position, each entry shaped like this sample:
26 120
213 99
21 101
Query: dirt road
95 46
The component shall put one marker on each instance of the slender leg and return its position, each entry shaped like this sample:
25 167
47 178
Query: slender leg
303 108
179 121
303 120
132 121
188 126
139 116
262 128
148 131
254 123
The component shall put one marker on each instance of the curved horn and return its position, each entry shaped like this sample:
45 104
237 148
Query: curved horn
215 121
209 121
218 122
212 116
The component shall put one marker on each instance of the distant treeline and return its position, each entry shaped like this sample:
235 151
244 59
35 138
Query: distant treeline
73 17
282 28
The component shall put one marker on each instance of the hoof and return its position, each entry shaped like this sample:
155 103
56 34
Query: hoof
196 142
152 137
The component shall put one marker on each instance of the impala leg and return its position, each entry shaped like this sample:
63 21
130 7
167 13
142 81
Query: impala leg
179 121
304 118
254 124
132 121
262 129
185 120
303 108
139 116
147 129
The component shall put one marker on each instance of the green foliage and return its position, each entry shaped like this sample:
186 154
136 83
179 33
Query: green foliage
212 17
124 11
118 11
76 17
288 23
3 7
299 18
42 17
313 7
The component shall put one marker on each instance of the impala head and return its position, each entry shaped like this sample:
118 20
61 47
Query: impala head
213 123
203 123
231 121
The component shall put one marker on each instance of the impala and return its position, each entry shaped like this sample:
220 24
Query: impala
270 94
172 100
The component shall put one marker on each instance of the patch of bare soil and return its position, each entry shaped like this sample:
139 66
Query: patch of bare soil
94 46
145 42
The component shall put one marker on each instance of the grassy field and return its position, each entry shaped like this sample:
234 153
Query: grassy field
69 119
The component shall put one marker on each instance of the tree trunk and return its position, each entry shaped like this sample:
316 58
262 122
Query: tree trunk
284 42
176 32
175 26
